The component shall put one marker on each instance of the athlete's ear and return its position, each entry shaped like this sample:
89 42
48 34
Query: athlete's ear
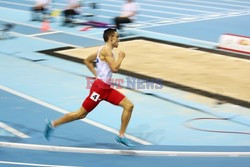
111 37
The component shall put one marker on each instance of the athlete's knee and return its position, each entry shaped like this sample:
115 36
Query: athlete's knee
81 113
81 116
129 106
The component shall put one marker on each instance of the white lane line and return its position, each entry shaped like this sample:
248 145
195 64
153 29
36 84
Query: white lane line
47 40
180 37
14 3
13 131
122 152
149 10
142 15
105 10
170 7
65 112
216 3
205 18
64 32
195 5
45 33
30 25
237 1
31 164
194 40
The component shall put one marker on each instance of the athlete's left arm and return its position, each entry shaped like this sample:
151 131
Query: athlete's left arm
89 62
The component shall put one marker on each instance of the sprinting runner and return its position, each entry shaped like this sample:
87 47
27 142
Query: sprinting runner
101 88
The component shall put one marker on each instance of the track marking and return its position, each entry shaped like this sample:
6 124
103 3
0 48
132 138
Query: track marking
31 164
175 36
122 152
43 39
38 27
202 18
45 33
216 3
13 131
170 7
136 29
65 112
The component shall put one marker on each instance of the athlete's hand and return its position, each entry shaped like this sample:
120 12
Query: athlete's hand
122 55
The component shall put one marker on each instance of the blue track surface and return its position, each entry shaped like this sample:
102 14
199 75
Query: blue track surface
35 86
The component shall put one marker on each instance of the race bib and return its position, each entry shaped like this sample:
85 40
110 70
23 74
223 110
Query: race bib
94 96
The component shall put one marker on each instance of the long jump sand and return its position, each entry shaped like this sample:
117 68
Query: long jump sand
197 69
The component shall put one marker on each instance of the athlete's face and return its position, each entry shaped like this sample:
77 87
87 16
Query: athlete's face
115 40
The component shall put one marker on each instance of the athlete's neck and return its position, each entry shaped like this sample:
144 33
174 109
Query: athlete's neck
109 45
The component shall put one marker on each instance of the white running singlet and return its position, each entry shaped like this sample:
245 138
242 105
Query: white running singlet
103 70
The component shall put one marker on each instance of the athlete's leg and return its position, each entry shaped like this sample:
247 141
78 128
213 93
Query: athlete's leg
87 106
79 114
50 125
126 115
117 98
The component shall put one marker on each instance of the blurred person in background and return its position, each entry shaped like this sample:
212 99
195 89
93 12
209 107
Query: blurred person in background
128 13
72 9
40 10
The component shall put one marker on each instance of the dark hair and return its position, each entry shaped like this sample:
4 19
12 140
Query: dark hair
107 33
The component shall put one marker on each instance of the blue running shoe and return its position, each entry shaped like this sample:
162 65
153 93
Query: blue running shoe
123 141
48 129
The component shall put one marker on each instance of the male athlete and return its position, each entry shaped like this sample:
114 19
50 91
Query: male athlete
101 88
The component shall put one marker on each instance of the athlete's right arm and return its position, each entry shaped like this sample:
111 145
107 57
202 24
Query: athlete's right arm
114 65
89 63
